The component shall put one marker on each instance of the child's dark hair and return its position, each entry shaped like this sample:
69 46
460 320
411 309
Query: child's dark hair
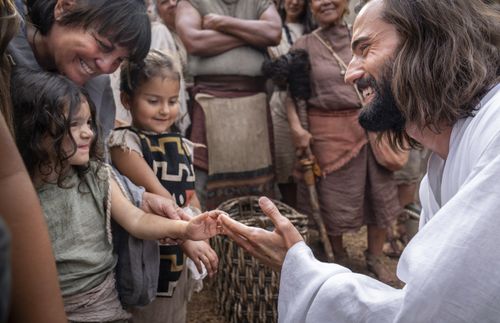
156 63
44 104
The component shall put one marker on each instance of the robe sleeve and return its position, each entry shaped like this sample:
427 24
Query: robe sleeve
312 291
451 267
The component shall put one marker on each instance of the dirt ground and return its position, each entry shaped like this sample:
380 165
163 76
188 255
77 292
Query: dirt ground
203 306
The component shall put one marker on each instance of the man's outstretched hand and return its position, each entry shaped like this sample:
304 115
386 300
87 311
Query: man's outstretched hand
269 247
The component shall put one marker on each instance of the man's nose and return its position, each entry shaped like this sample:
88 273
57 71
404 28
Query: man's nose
354 71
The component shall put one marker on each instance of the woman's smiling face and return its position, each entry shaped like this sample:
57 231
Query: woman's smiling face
81 54
328 12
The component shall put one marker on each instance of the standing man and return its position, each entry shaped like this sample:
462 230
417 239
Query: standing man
430 70
226 41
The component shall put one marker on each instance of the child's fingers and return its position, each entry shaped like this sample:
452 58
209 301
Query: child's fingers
214 214
208 265
213 261
198 265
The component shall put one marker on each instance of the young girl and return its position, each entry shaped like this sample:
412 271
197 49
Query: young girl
152 155
56 135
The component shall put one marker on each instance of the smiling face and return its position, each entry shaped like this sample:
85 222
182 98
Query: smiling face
155 104
328 12
81 54
82 134
374 44
294 9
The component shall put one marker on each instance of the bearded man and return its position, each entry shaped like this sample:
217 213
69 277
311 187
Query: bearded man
429 70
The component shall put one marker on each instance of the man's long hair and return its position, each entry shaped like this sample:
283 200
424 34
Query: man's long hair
448 58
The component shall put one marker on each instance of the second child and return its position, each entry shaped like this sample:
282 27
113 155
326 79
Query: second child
153 155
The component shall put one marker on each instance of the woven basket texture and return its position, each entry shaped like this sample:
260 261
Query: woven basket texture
246 290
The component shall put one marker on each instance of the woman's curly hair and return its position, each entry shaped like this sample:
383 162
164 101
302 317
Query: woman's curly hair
44 104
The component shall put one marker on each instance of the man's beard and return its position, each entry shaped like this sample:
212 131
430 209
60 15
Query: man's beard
382 113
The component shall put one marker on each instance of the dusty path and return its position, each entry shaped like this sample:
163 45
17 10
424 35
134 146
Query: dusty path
203 306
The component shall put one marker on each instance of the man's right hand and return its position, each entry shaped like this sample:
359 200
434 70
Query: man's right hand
269 247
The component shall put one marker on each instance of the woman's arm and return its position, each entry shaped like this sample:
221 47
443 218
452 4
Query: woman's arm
148 226
35 293
301 137
135 168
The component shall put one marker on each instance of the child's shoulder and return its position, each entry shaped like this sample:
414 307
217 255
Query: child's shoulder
127 138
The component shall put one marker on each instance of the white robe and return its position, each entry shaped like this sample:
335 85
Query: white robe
451 267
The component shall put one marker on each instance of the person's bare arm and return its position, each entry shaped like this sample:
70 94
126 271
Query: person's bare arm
264 32
199 41
148 226
34 276
135 168
301 137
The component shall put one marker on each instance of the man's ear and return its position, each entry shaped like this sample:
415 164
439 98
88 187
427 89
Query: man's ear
125 98
62 6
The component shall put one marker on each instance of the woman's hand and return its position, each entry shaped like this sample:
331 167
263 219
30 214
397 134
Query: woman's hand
200 252
269 247
302 140
203 226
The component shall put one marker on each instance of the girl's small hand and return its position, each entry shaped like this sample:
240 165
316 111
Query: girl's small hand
203 226
201 252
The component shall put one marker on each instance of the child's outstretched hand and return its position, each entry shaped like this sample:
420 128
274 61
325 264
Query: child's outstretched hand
204 226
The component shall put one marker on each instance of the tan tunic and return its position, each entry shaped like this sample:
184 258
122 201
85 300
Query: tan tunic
244 60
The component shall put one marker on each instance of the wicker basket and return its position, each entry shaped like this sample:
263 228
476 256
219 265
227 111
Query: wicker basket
246 290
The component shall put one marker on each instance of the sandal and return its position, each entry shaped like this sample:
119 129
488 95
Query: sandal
376 265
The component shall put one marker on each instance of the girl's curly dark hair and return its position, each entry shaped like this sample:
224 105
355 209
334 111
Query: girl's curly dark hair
44 104
291 70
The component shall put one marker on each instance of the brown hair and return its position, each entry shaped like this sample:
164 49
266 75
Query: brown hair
44 104
9 23
448 58
156 63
